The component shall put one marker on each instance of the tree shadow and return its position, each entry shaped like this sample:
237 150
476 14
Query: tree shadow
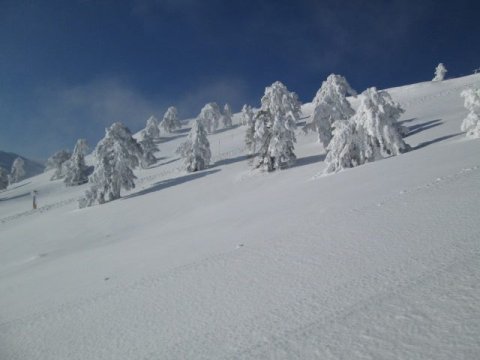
161 185
407 120
219 131
164 163
170 138
15 197
182 131
307 160
301 124
430 142
230 161
415 129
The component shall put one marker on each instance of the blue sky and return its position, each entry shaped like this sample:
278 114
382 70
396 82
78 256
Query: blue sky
70 68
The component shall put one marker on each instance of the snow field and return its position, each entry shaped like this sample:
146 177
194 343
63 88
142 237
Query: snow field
378 262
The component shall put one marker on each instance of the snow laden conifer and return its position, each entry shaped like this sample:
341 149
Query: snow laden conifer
440 72
369 135
170 120
210 116
196 150
116 155
227 116
331 104
57 162
471 124
275 127
76 171
247 115
17 172
151 128
3 178
149 148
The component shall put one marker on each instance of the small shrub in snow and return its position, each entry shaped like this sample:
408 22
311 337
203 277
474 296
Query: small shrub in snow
440 72
196 150
227 116
210 116
76 171
275 127
3 178
371 134
57 161
17 172
471 124
170 120
116 155
331 104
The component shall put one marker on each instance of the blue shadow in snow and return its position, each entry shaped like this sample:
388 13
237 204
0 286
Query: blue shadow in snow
430 142
165 184
415 129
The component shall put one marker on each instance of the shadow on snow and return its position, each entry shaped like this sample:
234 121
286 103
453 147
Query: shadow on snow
161 185
230 160
439 139
415 129
307 160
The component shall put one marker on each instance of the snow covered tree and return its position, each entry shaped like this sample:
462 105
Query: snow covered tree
76 171
148 149
275 127
210 116
227 116
369 135
196 150
331 104
440 72
471 124
247 115
170 120
250 140
151 128
17 172
116 155
3 178
57 161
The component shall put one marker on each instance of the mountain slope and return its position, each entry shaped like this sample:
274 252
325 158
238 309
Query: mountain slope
379 261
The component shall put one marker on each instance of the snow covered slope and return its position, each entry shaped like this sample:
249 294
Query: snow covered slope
377 262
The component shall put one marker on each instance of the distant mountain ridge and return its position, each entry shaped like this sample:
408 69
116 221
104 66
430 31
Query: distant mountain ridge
32 168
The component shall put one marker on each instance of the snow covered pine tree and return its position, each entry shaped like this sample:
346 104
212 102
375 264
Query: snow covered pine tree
149 149
115 157
331 104
76 172
210 116
151 128
196 150
440 72
170 120
227 116
247 115
17 172
471 124
275 126
371 134
57 161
